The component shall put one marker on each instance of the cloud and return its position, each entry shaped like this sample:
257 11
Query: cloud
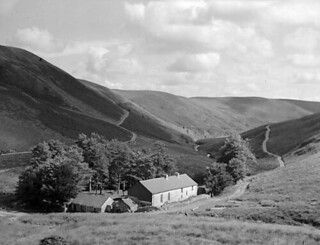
37 39
294 12
303 39
189 26
6 6
195 63
135 11
305 59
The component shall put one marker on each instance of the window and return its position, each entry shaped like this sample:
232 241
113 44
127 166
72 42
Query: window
168 196
181 190
161 198
187 193
192 188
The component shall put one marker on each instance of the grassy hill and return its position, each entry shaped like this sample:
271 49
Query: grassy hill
202 117
148 229
39 101
298 135
288 195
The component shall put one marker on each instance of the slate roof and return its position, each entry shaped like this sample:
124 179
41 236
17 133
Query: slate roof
162 184
91 199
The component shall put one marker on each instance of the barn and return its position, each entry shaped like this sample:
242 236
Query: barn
91 202
164 190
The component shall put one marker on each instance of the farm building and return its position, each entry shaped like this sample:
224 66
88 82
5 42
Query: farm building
166 189
91 202
122 205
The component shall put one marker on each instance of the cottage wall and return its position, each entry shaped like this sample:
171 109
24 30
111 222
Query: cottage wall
140 192
107 206
174 196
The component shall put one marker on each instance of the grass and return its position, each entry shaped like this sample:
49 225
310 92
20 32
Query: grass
148 229
293 191
14 160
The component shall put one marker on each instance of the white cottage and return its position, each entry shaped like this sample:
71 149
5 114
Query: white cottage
166 189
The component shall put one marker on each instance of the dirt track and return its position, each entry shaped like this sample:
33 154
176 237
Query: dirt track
206 202
264 147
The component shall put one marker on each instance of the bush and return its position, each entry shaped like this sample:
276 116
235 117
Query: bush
53 240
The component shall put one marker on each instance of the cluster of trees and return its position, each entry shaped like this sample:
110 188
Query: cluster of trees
59 171
231 164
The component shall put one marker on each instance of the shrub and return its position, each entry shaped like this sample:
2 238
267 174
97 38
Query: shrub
53 240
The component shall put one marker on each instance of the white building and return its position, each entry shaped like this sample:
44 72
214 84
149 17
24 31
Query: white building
163 190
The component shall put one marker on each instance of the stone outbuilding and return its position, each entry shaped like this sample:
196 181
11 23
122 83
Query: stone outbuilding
164 190
91 202
123 205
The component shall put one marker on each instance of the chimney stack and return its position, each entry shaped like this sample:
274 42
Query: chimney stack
166 176
177 174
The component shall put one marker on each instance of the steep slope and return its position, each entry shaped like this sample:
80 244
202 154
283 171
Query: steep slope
202 117
39 101
297 136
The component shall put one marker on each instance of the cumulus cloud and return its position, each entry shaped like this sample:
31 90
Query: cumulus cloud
135 11
294 12
305 59
37 39
181 25
195 63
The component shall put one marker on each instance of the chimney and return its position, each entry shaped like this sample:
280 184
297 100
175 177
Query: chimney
166 176
177 174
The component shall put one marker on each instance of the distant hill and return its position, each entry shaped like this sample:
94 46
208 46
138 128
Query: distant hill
39 101
296 136
202 117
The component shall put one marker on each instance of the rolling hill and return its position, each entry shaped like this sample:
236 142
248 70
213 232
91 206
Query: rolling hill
296 136
202 117
39 101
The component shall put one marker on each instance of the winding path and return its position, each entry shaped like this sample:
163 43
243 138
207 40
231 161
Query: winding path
265 150
123 118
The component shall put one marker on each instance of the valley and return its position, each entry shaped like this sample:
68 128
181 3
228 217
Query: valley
278 202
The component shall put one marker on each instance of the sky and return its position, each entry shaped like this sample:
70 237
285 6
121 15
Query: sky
267 48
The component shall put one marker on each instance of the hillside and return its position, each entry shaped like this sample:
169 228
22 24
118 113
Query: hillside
297 136
202 117
39 101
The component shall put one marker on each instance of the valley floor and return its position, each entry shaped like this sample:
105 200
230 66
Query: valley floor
148 229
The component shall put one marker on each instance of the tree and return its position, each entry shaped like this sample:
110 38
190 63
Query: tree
47 150
217 178
163 163
236 154
52 181
95 152
120 158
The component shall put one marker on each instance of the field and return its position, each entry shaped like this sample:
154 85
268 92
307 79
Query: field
288 195
92 229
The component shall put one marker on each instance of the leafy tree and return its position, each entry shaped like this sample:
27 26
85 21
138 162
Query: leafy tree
95 152
120 158
162 161
47 150
217 178
236 154
52 181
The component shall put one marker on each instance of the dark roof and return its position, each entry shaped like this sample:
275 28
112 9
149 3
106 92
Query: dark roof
163 184
91 199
